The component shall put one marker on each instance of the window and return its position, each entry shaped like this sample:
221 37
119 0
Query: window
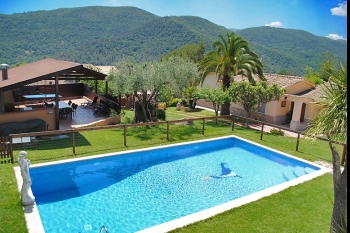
262 109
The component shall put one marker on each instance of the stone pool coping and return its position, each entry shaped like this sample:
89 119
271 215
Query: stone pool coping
35 225
31 213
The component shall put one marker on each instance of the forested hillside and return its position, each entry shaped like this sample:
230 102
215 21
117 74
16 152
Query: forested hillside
147 42
27 37
291 50
104 35
98 35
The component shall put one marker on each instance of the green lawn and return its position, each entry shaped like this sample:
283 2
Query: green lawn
303 208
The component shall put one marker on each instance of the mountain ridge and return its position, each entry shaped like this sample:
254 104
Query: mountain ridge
104 35
309 47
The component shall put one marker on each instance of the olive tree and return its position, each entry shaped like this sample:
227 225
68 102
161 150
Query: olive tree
145 81
252 97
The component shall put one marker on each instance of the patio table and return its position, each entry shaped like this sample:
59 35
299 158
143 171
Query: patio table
62 104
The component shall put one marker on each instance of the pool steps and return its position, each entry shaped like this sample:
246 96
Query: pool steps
295 172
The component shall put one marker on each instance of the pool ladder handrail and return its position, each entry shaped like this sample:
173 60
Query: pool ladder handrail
104 228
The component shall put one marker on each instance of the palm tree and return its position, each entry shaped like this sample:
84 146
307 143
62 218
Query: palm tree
331 122
229 58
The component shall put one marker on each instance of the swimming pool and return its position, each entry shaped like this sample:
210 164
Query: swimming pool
162 188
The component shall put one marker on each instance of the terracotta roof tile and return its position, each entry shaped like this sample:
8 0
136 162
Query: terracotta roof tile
281 80
286 80
314 93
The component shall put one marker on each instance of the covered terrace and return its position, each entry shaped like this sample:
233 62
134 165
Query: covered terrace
47 69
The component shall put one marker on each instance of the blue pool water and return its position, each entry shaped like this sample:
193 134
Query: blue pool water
132 191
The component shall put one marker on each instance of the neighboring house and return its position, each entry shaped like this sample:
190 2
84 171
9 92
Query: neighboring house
294 108
102 69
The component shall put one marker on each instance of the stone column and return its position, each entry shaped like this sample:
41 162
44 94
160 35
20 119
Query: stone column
295 122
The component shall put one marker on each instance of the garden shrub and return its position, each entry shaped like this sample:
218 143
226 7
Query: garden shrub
184 103
160 114
275 131
173 102
162 105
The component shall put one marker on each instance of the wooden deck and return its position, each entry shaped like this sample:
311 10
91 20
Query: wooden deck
84 115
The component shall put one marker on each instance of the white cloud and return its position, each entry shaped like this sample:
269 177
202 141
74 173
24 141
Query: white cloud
341 10
335 37
276 24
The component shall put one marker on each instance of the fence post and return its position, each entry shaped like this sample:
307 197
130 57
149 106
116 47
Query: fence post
233 123
11 149
167 131
262 131
124 135
297 142
203 126
73 141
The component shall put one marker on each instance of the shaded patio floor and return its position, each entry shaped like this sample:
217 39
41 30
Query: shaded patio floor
84 115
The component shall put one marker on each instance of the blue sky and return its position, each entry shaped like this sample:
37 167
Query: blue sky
319 17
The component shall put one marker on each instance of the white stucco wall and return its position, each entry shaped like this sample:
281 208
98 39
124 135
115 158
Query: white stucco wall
299 87
274 112
211 81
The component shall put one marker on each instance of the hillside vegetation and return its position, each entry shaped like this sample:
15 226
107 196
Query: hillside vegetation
290 49
104 35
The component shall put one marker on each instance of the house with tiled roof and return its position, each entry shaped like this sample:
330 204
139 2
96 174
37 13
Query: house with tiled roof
294 109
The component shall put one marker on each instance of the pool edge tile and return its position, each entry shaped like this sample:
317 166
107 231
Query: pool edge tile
31 213
34 223
207 213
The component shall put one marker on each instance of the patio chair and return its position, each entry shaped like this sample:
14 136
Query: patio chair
74 109
90 103
65 113
116 107
103 108
61 113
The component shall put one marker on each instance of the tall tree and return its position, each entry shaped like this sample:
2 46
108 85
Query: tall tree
312 76
145 81
326 66
322 75
229 58
101 85
331 122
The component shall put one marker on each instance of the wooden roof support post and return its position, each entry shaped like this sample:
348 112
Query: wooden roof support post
2 103
57 117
